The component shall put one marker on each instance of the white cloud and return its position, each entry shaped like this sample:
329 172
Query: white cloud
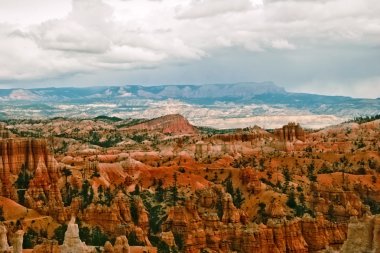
114 34
208 8
70 36
22 59
24 12
282 44
128 54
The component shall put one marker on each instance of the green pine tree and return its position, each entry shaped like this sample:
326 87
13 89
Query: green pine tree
291 202
238 198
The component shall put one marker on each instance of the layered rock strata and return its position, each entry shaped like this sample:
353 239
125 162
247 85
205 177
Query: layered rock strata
200 227
363 235
114 219
29 170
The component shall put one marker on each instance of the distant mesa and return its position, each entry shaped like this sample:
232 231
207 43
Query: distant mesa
168 124
234 90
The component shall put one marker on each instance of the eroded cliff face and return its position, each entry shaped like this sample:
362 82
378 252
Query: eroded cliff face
115 219
205 223
29 174
363 235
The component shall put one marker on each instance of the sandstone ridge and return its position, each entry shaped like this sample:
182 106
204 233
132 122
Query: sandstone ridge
168 124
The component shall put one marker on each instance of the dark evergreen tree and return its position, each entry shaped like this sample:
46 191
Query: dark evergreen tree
2 214
159 194
238 198
331 213
100 194
291 202
263 216
29 239
133 210
66 173
229 186
301 208
98 237
310 172
219 207
287 175
108 197
133 240
136 192
174 190
22 184
87 194
179 241
156 217
59 233
85 235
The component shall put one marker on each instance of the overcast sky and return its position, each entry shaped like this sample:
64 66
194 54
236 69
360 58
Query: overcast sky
320 46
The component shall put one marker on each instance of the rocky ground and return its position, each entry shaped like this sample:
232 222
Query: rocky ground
164 185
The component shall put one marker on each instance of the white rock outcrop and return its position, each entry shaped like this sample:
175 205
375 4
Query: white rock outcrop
4 246
363 235
72 242
17 241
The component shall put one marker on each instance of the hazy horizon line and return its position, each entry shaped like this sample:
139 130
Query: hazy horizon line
181 84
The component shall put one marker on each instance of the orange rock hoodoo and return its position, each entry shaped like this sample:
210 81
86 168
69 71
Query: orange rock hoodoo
250 178
290 132
33 156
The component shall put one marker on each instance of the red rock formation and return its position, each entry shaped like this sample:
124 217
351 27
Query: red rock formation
206 219
346 203
143 215
290 132
55 203
121 245
168 238
255 133
230 213
200 227
47 246
276 210
33 156
250 178
108 248
319 233
142 249
115 219
174 124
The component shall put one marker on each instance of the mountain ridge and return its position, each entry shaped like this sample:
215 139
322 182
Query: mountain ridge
217 105
155 92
